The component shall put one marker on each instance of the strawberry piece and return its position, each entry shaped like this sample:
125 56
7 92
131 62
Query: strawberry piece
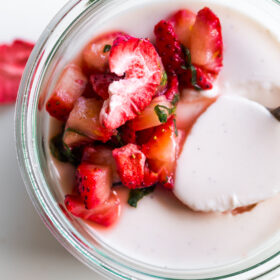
101 155
169 47
183 21
105 214
94 183
73 139
84 119
96 54
173 88
100 83
132 168
189 109
138 60
12 63
69 88
206 41
161 152
148 118
128 133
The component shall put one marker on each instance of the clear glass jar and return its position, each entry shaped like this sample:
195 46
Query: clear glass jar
60 42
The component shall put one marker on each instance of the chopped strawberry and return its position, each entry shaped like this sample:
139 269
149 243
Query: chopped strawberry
202 79
69 88
169 47
189 109
149 118
206 41
132 168
138 60
183 21
161 151
96 53
100 83
105 214
173 88
128 133
94 183
101 155
84 118
72 138
12 63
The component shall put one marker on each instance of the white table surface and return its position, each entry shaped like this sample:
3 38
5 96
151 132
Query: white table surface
27 248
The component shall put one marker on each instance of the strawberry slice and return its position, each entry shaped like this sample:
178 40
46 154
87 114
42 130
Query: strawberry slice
94 183
100 83
183 21
84 119
138 60
189 109
169 47
12 63
96 53
149 118
105 214
69 88
206 41
131 166
161 152
101 155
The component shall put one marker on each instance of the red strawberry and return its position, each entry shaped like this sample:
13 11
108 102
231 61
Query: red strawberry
148 118
131 166
183 21
161 152
96 53
169 47
138 60
105 214
100 83
94 183
206 41
101 155
173 88
189 109
72 138
12 63
84 119
69 88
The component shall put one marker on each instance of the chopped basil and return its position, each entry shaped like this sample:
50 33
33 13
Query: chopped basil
69 129
137 194
107 48
194 78
163 112
175 99
188 57
175 127
164 79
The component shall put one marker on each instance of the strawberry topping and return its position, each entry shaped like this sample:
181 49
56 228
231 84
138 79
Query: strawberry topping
12 63
138 61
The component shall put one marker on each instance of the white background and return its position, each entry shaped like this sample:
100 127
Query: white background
27 248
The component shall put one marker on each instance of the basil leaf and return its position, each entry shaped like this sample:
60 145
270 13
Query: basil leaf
164 79
175 99
188 57
107 48
175 127
137 194
162 115
194 78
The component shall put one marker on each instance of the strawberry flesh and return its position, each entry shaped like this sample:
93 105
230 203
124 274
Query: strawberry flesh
12 63
138 61
173 88
94 184
105 214
69 88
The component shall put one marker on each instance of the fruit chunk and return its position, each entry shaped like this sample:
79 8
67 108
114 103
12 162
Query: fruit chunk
189 109
148 118
84 118
12 63
169 47
173 88
206 41
138 60
96 54
161 151
131 166
69 88
100 83
94 183
183 21
101 155
72 138
105 214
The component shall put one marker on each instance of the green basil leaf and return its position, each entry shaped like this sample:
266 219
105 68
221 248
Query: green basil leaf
137 194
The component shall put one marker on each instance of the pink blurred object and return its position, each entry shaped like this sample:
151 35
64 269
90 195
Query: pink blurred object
13 59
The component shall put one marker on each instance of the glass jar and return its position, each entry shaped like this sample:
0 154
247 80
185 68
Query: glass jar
62 40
